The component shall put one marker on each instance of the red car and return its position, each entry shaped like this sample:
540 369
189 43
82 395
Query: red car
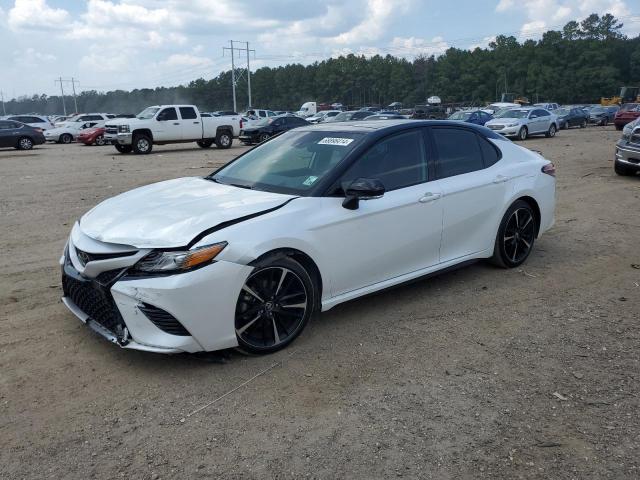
627 113
92 136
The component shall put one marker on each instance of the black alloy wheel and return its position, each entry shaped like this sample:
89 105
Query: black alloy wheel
274 305
516 235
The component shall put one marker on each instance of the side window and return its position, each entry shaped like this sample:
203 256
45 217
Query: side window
542 113
458 152
398 161
5 125
188 113
271 114
261 113
490 153
168 114
84 118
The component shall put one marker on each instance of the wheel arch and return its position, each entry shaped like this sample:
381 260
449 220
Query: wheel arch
303 259
143 131
224 128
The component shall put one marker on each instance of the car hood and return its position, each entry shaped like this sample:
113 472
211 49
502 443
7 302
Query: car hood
172 213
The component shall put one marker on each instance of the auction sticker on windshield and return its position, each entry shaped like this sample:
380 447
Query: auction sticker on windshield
343 142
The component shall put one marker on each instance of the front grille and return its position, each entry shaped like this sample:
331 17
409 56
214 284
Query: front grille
164 320
86 257
496 127
111 129
96 301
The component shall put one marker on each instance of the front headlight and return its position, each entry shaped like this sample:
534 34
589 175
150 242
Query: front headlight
123 129
513 124
179 260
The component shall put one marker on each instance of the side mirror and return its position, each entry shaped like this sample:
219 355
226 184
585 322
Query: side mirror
362 189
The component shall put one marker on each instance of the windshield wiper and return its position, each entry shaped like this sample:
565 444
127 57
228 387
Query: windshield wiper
214 179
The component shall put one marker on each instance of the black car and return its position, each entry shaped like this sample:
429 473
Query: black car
18 135
571 117
602 115
393 116
269 127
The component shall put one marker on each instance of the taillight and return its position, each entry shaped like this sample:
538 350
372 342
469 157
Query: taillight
240 123
549 169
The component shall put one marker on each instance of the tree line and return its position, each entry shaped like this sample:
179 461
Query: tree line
578 64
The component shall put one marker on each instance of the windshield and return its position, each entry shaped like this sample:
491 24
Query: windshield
513 114
597 109
460 116
629 107
561 111
344 116
290 163
147 113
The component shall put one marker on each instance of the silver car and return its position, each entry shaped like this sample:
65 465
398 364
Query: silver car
524 122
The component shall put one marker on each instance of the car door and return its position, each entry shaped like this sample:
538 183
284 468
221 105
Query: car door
191 124
7 139
473 191
385 237
168 127
544 117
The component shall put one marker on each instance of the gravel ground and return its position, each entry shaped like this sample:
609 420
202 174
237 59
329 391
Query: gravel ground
479 373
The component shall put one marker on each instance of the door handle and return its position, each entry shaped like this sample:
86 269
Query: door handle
500 179
195 123
176 123
429 197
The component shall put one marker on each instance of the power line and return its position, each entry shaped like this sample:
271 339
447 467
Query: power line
64 106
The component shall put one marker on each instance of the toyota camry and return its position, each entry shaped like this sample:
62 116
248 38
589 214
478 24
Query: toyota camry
314 217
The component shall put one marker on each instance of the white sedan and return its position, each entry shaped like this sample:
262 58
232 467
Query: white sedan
317 216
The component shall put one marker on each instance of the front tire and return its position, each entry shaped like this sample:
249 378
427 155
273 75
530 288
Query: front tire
264 137
142 144
275 304
123 148
224 140
66 138
100 141
204 143
551 132
583 124
516 235
25 143
523 134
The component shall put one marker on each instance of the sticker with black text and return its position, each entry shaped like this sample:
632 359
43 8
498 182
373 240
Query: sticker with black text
343 142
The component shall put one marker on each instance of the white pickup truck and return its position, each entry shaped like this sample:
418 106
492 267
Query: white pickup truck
163 124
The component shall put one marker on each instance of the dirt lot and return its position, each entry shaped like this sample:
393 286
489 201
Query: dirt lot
479 373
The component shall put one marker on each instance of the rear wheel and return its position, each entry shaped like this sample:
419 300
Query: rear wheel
204 143
25 143
100 141
224 139
274 305
604 122
551 132
66 138
264 137
142 144
523 133
516 235
123 148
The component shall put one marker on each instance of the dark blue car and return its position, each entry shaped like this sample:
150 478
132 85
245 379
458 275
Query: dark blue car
18 135
477 117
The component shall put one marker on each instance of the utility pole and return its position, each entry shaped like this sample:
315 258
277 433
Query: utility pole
4 111
248 76
237 73
73 86
64 106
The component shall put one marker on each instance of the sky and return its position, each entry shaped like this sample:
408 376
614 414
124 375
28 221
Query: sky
125 44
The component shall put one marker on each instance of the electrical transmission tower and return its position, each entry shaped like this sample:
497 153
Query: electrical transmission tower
237 73
73 82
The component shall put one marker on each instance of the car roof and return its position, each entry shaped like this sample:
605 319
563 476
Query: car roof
390 126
